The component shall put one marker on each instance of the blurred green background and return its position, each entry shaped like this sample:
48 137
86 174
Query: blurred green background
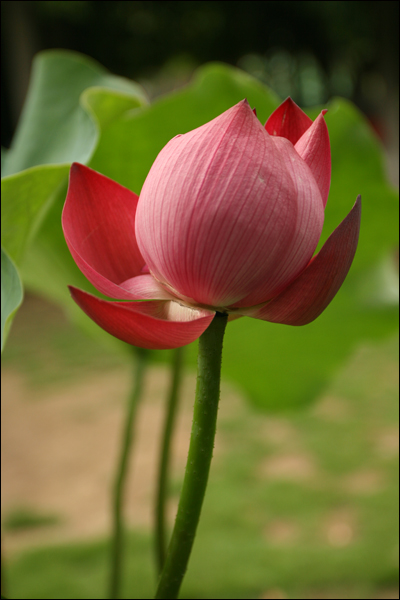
302 504
309 50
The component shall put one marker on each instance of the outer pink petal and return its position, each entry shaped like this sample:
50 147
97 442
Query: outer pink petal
314 149
308 217
156 325
288 121
99 227
308 296
219 210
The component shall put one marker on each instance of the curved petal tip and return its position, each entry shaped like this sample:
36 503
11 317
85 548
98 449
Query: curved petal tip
288 121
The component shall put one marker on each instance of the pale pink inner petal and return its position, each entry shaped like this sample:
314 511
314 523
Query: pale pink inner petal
173 311
145 287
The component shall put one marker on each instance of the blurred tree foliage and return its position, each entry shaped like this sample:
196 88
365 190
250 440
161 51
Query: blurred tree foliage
310 50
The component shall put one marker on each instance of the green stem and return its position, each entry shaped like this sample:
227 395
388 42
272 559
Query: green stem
199 458
3 583
170 418
141 357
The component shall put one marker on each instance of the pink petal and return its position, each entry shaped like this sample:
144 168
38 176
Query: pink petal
99 227
288 121
308 217
219 211
154 325
308 296
314 149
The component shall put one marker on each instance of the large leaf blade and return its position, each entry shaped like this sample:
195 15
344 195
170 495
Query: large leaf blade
55 126
25 198
11 293
70 98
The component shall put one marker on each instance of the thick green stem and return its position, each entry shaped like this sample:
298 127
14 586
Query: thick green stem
170 418
199 458
141 357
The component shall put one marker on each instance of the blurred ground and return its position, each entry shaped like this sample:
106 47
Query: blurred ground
60 448
304 502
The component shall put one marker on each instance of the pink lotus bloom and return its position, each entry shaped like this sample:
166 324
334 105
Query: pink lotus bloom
228 220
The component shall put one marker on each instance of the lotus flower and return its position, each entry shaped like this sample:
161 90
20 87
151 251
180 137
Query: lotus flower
228 220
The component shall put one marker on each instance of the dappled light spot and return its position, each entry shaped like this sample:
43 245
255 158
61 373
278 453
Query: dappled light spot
330 594
339 529
275 593
278 431
387 443
387 594
364 482
332 408
282 532
292 467
340 534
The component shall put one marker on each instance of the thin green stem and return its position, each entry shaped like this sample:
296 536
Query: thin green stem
141 358
170 418
3 583
199 458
